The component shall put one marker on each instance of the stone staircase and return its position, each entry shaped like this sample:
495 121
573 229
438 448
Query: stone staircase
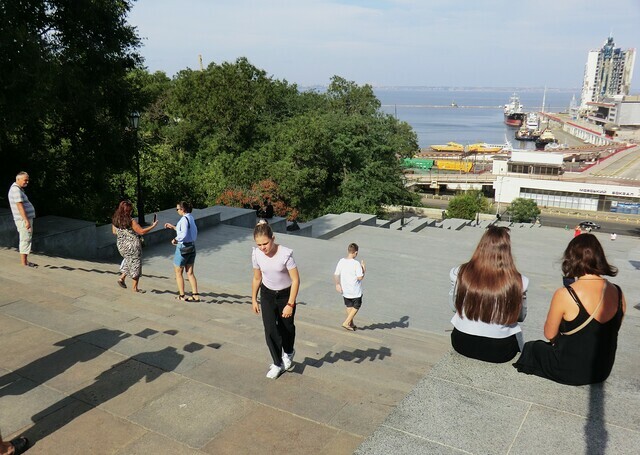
158 375
88 367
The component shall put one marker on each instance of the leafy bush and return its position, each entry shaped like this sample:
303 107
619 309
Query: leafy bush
523 210
467 205
256 196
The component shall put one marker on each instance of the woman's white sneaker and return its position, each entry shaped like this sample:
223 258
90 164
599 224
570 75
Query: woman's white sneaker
287 360
274 371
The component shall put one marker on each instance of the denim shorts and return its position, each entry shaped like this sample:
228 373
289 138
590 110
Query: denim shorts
180 261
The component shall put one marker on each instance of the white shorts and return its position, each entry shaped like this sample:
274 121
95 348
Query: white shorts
25 236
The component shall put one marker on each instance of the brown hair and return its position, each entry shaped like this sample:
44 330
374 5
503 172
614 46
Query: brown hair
352 248
122 217
262 228
489 286
185 206
584 255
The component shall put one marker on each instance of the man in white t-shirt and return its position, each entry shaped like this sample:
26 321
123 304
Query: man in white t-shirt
348 278
23 215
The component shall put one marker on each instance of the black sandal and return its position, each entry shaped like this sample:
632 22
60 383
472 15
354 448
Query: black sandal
20 445
122 284
193 298
181 297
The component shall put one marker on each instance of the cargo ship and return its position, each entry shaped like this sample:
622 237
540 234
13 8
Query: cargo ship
514 111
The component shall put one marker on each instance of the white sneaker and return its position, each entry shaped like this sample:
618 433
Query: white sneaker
274 371
287 360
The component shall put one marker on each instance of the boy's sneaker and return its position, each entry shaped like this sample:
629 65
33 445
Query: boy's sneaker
274 371
287 360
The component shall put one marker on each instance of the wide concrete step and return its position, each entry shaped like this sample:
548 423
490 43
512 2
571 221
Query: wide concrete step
157 312
342 386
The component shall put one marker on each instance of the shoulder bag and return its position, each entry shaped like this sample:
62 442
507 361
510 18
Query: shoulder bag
188 249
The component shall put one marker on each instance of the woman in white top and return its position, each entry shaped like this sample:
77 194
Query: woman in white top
488 295
275 274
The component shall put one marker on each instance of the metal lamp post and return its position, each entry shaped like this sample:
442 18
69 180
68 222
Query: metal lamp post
134 121
403 179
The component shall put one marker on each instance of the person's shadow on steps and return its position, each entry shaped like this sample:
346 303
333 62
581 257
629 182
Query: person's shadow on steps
74 350
109 384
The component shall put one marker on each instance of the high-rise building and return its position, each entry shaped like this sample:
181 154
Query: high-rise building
607 73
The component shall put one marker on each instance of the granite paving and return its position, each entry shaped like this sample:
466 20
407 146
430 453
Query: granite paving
87 367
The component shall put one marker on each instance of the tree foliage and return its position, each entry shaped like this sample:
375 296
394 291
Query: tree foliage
236 127
523 210
65 100
467 205
261 193
71 76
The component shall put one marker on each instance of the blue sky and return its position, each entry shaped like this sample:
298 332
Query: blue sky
482 43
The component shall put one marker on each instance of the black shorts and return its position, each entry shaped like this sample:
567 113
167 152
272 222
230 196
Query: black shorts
353 303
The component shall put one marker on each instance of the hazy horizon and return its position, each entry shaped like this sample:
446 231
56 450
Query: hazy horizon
389 43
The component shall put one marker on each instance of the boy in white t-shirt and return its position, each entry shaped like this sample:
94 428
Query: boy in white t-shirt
348 278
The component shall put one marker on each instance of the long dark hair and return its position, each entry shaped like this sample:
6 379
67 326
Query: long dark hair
489 286
584 255
122 217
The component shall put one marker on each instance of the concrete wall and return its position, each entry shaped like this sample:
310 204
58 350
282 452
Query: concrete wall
8 231
628 114
58 236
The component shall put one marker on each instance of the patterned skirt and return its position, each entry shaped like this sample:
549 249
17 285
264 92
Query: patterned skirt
130 248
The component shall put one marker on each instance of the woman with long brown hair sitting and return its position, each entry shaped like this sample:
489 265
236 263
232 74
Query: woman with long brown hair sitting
488 295
583 321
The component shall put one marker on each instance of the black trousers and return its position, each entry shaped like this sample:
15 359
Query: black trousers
494 350
279 332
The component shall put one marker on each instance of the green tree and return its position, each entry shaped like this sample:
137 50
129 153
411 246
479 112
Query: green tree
228 107
467 205
351 99
235 127
523 210
65 101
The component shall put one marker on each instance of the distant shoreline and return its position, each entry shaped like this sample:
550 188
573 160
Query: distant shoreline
427 88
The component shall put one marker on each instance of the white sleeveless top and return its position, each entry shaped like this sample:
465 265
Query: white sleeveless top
479 328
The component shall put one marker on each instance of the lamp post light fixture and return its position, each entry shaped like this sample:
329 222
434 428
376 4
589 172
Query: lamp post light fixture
403 179
134 121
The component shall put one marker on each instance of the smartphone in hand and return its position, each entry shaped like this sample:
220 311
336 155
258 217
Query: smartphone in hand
155 217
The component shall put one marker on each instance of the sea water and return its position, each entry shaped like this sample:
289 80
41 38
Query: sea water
478 116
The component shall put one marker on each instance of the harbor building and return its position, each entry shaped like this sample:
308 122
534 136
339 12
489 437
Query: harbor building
585 196
618 116
543 177
539 176
608 72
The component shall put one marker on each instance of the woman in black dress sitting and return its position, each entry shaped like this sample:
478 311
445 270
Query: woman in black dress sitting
583 321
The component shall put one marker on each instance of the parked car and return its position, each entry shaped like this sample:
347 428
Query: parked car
589 225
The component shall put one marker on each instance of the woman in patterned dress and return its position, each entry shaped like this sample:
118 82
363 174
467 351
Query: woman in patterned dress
127 231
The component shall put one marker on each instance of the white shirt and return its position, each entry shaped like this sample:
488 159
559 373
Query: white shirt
186 229
349 271
275 269
484 329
